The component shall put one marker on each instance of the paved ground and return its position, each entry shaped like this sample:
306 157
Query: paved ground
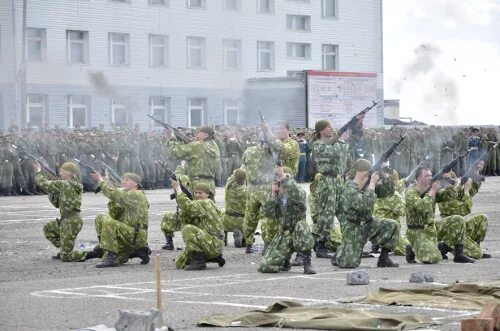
37 293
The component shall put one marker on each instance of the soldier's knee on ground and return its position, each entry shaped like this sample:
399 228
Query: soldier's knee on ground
265 268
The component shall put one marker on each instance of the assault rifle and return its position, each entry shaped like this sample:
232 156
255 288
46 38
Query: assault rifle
279 162
42 163
447 168
472 173
172 175
354 119
177 133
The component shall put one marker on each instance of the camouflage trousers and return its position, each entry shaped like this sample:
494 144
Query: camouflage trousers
269 228
450 229
232 223
255 198
284 245
62 234
197 240
328 194
118 237
335 237
171 222
382 231
475 231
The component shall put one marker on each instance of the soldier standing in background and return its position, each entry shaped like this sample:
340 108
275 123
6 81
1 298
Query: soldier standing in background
235 195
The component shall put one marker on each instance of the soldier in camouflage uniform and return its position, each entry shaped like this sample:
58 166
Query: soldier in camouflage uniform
66 195
357 223
330 155
234 151
288 155
235 195
172 220
126 236
390 204
459 202
287 204
202 232
258 164
423 231
202 156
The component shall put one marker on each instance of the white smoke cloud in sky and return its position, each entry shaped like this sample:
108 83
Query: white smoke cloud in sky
442 60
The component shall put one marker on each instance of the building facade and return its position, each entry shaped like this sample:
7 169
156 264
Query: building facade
109 62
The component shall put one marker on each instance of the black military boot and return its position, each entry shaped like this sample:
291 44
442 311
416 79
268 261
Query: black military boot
286 266
410 255
249 249
375 248
486 256
299 260
143 253
444 249
198 263
169 245
218 259
96 253
460 257
56 257
111 261
25 191
238 238
322 252
384 261
225 238
308 270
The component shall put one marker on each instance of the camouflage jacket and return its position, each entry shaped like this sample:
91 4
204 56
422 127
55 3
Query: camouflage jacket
392 207
289 209
289 153
235 196
420 211
135 206
456 203
330 157
64 194
203 214
203 157
357 206
258 164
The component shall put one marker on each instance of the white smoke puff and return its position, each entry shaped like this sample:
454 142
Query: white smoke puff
100 83
453 13
442 97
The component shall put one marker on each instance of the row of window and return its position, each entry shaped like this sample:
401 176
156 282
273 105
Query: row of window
328 7
119 50
79 110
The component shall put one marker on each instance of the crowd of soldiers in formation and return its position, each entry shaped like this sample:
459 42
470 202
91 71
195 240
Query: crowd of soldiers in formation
141 153
261 168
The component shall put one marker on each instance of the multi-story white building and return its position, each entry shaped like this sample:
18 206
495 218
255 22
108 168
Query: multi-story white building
185 61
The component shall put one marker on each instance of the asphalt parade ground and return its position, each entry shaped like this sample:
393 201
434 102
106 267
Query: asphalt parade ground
38 293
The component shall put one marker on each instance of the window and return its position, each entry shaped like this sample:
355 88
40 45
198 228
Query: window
77 109
119 113
265 6
330 57
201 4
158 2
196 52
160 108
35 109
329 8
158 50
298 23
36 44
77 51
232 5
196 110
119 50
265 55
298 51
231 111
232 54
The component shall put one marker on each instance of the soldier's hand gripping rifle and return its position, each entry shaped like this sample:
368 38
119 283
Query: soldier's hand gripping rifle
177 133
113 176
172 175
472 173
447 168
52 174
354 119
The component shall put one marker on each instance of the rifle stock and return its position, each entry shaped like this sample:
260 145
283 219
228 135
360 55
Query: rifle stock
172 175
44 166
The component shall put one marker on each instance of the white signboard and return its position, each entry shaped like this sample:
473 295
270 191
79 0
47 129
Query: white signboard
338 96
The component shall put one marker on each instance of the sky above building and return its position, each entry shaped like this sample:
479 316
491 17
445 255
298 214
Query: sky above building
442 60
